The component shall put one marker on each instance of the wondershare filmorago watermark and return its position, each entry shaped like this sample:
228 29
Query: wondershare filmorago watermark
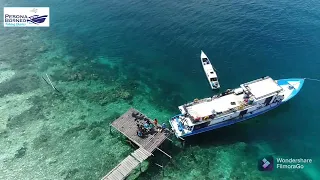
269 163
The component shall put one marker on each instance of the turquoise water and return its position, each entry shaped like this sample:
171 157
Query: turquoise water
107 56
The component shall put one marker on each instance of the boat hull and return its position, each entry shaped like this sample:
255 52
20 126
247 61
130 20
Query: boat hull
295 82
230 122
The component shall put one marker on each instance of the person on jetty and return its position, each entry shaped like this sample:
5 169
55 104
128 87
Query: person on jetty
148 122
139 133
141 130
163 127
146 125
155 122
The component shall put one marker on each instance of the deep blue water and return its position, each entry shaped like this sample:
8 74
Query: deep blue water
160 43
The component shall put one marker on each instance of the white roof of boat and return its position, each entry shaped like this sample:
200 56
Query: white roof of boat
216 105
262 87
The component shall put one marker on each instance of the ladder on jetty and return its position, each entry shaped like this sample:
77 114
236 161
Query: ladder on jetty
127 125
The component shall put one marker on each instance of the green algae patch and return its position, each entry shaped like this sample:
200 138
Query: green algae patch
12 106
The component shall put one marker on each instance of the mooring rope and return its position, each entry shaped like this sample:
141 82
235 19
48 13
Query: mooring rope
312 79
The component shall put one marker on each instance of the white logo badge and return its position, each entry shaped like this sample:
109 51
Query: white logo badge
26 17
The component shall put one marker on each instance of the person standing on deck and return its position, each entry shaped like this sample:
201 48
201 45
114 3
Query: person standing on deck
163 127
155 122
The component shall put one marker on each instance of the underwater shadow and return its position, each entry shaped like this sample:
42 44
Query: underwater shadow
247 131
163 160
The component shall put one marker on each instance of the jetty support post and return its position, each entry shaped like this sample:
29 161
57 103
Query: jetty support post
183 141
164 153
162 171
169 139
161 166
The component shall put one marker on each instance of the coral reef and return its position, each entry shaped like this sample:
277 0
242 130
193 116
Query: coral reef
103 71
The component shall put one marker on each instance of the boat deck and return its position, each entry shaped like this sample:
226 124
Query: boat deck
127 125
220 104
209 71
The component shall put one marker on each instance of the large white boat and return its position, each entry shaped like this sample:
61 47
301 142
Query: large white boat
210 71
249 100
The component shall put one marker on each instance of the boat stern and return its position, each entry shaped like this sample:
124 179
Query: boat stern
179 129
215 85
291 87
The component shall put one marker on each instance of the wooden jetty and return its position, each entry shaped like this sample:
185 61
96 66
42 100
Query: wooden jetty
123 169
127 124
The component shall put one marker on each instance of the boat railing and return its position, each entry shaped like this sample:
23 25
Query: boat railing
217 115
226 112
198 101
242 106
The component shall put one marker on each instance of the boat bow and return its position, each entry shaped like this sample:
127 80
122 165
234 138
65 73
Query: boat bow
291 87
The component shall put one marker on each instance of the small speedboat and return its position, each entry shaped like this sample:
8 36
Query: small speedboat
210 71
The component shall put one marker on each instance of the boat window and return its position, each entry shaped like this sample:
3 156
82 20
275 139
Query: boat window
213 79
202 125
205 61
211 72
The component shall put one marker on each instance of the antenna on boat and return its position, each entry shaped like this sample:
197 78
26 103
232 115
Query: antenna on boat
312 79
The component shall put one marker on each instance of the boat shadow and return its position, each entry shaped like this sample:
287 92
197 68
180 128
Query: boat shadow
251 130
